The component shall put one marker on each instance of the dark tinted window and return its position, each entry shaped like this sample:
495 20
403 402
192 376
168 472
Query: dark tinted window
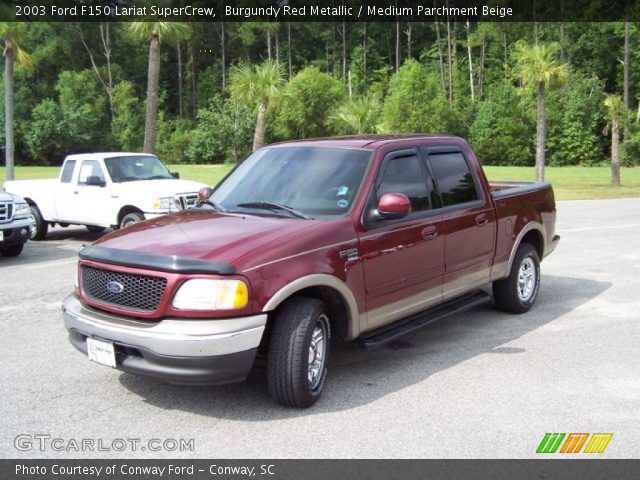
454 178
67 171
404 175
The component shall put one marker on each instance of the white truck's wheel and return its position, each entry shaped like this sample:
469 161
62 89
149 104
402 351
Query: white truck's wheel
131 218
41 227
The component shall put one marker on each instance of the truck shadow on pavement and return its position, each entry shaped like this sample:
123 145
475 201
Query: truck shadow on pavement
357 377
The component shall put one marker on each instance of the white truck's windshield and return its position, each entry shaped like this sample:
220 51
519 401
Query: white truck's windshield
136 167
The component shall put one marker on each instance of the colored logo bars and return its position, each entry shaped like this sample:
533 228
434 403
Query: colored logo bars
574 442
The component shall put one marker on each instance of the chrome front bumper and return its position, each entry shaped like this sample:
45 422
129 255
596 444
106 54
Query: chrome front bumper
176 350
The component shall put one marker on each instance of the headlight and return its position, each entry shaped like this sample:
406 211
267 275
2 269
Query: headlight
205 294
21 210
165 203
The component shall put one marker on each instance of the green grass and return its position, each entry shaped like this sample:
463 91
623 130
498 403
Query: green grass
576 183
209 174
569 183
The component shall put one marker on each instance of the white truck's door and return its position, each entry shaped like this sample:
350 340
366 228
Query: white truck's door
93 197
65 196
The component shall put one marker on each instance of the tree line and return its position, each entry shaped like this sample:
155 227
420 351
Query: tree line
522 93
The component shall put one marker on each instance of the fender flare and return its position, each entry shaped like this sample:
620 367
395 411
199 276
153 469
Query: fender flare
320 280
531 226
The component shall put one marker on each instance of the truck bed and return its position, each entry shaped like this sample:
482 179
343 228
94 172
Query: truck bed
518 203
501 189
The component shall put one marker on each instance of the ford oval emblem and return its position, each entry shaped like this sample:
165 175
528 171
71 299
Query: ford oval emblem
115 287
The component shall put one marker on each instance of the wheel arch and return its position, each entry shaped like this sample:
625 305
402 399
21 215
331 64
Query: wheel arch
126 210
336 295
533 233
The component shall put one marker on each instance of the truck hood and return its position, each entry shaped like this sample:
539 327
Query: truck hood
204 234
160 187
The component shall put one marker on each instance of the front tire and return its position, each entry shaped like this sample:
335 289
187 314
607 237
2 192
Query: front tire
298 352
41 227
518 292
131 218
12 251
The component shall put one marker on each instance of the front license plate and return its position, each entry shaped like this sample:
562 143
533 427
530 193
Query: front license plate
101 352
1 235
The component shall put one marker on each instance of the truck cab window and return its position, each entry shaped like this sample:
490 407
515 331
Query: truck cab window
89 168
454 178
67 171
405 175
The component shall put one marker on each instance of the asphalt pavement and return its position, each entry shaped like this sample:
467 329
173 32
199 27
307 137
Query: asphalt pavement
482 384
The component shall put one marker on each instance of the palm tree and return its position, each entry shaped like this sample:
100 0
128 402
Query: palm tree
615 110
538 67
12 35
257 84
357 116
155 33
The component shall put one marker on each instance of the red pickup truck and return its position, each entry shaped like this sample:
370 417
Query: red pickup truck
357 238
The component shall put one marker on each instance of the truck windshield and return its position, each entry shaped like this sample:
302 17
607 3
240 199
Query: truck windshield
131 168
299 182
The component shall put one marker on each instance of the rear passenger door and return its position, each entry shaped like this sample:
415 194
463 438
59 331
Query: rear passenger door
469 221
403 259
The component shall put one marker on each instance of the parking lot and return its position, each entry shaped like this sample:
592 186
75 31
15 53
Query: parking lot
482 384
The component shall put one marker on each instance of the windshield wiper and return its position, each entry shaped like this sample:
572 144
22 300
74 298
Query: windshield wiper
274 207
157 177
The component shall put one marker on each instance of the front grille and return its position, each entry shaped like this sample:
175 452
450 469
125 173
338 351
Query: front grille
6 211
137 292
188 200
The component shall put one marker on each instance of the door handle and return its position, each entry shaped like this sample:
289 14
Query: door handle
430 233
75 192
482 220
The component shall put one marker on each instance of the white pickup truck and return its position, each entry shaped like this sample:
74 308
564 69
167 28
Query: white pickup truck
102 190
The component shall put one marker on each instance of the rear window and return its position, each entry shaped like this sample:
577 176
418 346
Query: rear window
67 171
454 178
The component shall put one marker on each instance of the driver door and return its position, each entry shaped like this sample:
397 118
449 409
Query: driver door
92 201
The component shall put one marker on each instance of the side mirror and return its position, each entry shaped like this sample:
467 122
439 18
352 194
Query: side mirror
393 206
204 193
175 174
95 181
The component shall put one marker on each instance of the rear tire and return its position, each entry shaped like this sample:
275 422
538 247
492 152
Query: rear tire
518 292
12 251
131 218
298 352
41 226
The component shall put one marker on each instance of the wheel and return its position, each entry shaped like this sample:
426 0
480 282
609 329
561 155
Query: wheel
41 227
518 292
298 352
131 218
11 251
95 228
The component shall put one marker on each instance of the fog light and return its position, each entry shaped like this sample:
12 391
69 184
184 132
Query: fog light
23 232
